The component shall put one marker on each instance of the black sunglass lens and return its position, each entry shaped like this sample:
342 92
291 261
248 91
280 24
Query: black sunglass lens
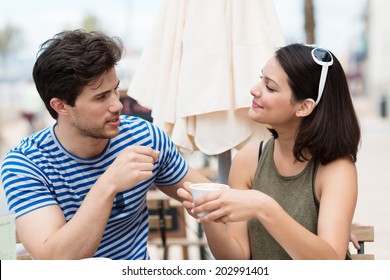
322 55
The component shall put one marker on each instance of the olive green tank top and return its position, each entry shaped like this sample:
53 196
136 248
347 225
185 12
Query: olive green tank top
294 193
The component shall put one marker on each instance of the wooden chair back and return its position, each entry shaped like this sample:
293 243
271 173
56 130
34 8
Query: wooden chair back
363 234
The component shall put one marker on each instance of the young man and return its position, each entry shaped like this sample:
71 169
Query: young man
79 187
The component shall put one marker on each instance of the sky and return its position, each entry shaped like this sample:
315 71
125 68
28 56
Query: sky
40 19
338 22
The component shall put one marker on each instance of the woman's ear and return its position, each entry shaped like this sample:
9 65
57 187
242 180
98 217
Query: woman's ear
59 106
306 107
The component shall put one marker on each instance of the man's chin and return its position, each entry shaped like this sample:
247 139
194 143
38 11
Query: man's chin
113 133
107 134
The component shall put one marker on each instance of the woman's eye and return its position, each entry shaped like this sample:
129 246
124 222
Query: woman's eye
267 84
269 87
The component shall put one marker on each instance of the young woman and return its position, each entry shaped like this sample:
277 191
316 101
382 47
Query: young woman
293 196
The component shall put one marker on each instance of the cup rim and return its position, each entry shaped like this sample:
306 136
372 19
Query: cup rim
225 186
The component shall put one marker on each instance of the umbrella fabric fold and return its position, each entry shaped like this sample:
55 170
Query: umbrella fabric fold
196 72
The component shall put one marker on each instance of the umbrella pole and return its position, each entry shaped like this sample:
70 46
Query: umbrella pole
224 162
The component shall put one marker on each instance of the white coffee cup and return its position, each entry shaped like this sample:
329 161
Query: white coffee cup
200 189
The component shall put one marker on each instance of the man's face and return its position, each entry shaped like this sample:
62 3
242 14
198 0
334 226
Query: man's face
97 108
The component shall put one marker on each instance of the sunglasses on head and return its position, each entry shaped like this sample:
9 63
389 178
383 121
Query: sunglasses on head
324 58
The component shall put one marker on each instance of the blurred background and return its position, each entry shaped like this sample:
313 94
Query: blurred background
356 31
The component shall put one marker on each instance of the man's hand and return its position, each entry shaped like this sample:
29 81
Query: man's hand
132 166
184 194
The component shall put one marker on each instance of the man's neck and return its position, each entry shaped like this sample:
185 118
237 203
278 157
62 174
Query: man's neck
78 145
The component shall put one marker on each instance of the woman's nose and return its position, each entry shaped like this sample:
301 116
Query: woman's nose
255 90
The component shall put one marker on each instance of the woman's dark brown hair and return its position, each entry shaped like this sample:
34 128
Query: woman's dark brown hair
332 130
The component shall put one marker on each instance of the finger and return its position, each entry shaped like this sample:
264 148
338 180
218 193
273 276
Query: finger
134 156
207 198
210 206
186 185
184 194
356 244
209 219
222 220
187 204
144 150
155 155
141 166
144 158
215 216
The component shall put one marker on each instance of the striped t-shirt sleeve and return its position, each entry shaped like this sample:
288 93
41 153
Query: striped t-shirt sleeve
24 185
172 167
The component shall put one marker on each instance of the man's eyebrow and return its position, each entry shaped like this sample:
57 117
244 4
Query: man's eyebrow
102 92
107 91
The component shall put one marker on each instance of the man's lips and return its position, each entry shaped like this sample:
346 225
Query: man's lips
114 121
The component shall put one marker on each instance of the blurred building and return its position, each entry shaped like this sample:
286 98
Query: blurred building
377 72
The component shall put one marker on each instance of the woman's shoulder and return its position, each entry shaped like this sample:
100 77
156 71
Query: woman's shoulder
244 164
250 150
339 173
340 164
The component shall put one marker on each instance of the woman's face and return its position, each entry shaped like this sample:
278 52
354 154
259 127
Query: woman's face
272 97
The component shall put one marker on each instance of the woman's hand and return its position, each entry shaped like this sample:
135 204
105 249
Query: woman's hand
354 241
230 205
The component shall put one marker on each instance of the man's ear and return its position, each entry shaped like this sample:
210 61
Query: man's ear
306 107
59 106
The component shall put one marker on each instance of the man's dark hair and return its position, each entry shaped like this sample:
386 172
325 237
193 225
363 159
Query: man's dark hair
72 60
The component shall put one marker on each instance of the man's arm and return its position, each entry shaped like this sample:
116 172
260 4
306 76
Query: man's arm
46 234
192 176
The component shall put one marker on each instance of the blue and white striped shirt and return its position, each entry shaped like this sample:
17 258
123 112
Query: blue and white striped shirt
40 172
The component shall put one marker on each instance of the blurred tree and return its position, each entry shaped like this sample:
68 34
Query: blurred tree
309 22
10 42
91 23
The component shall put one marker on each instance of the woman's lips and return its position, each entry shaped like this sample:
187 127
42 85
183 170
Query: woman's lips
255 105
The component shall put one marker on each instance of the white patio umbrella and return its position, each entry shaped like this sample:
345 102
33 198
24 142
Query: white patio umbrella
196 72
